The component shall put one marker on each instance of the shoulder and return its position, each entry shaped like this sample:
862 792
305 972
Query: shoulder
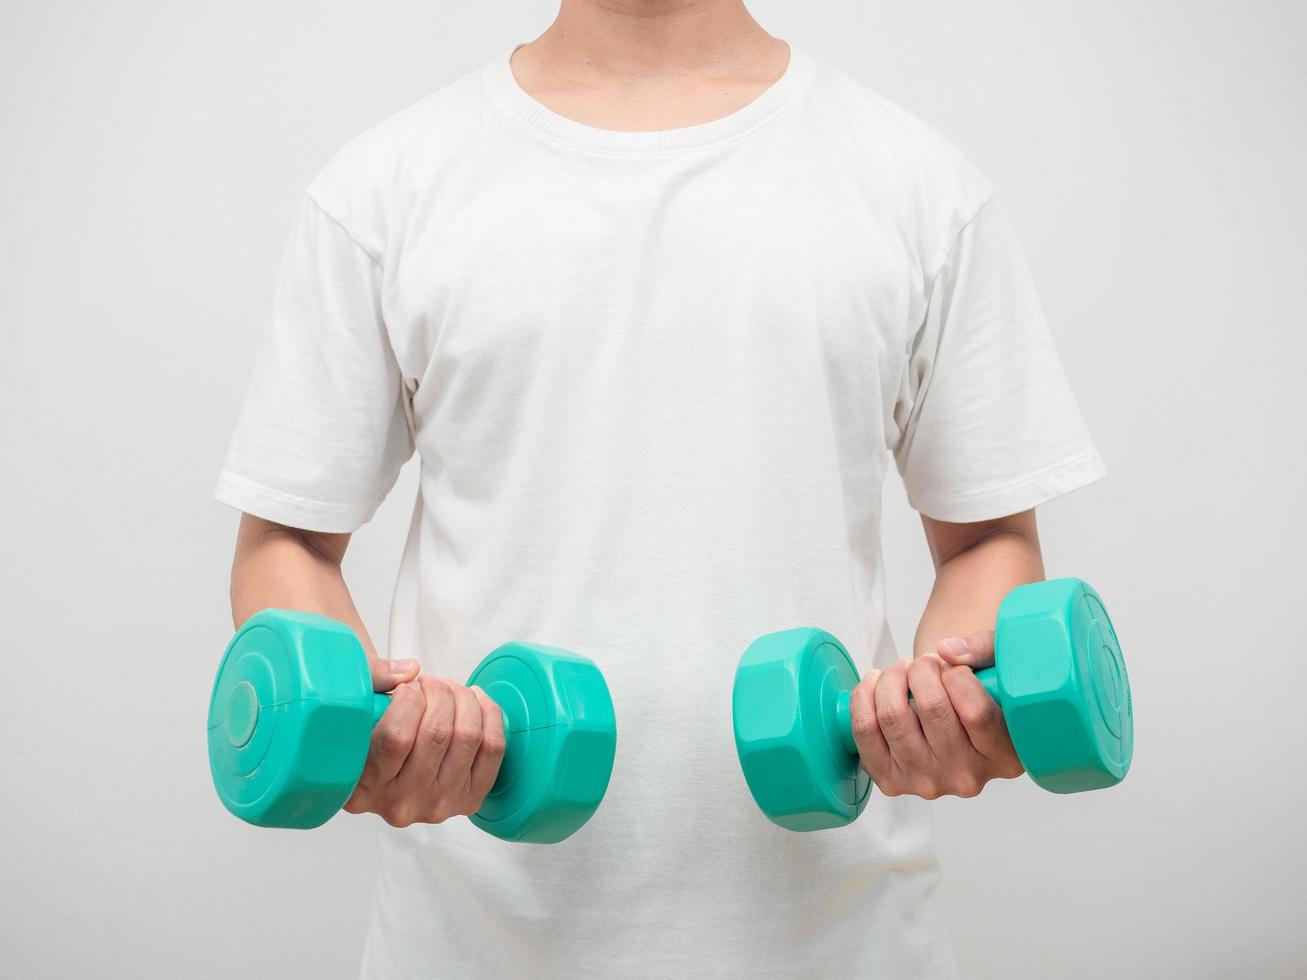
379 172
927 178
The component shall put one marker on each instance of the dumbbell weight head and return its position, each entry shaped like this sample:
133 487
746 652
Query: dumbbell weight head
290 719
802 772
1063 687
561 740
292 712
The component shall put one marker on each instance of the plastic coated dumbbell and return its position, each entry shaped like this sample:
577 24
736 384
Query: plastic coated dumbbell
292 712
1058 676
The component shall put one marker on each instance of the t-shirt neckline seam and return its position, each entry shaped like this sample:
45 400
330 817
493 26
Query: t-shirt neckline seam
509 97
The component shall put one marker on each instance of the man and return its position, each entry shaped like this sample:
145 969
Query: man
657 298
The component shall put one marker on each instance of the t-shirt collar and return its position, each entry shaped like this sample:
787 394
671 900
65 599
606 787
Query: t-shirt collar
504 90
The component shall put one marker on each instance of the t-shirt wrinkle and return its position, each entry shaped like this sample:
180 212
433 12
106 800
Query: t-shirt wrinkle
345 228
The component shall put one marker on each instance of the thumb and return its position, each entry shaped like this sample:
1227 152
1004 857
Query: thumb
975 650
389 674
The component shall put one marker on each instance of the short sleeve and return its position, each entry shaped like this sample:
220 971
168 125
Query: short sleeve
987 424
325 425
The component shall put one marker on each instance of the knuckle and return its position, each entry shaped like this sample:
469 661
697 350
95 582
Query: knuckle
467 737
397 816
437 733
927 790
441 812
436 686
926 665
893 716
391 742
863 730
967 786
864 725
973 714
493 744
978 712
934 706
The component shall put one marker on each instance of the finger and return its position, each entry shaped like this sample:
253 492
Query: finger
393 736
939 723
872 748
389 674
981 718
485 769
898 722
434 733
975 650
455 775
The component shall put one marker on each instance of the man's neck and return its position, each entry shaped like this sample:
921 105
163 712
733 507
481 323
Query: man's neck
649 64
643 39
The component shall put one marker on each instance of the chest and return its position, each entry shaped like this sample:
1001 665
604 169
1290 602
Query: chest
620 283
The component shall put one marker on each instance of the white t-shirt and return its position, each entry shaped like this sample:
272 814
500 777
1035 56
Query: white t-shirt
655 380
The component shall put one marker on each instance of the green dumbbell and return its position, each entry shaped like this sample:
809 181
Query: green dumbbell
1058 675
292 712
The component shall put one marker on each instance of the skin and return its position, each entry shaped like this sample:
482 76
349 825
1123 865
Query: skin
647 65
952 739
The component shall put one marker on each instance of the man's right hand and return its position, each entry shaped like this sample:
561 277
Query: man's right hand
436 751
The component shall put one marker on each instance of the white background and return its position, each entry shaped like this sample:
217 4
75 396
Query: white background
1152 157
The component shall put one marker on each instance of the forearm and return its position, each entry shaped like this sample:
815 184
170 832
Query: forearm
973 575
284 568
951 739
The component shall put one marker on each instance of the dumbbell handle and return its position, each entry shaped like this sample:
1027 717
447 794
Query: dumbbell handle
844 720
380 702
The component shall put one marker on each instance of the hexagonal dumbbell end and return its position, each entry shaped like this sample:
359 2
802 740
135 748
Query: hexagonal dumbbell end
1061 680
561 740
290 719
790 711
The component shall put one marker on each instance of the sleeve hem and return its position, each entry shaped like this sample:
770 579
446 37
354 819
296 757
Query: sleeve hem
290 509
1013 498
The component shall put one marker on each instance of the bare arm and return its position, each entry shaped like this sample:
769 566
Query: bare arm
951 739
976 565
288 568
